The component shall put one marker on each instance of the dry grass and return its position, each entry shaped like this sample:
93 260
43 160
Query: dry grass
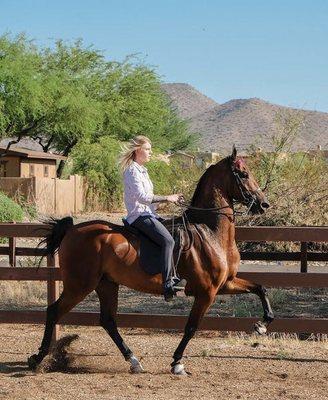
285 302
22 294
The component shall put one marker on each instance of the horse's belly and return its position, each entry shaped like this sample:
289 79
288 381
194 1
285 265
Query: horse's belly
123 268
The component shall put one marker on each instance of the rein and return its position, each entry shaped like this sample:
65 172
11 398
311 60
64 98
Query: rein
248 200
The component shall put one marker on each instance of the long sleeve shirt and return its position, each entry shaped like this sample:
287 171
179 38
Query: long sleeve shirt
138 192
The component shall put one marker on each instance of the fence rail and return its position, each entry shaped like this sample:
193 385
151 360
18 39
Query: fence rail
51 274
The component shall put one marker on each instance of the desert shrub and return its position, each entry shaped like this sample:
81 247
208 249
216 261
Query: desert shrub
173 177
298 190
297 194
29 207
296 182
9 210
98 162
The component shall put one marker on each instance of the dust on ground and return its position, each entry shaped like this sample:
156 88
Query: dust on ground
230 367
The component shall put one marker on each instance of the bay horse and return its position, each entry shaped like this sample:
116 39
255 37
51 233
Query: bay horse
100 256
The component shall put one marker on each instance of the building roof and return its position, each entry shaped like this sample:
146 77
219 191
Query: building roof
27 153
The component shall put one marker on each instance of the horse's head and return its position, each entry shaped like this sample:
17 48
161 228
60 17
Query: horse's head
244 188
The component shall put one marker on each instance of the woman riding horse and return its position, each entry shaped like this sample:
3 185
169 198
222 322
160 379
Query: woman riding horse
100 256
139 201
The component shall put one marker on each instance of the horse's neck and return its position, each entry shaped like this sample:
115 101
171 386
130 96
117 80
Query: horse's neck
206 198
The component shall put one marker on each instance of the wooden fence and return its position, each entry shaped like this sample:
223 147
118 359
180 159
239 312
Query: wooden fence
51 274
50 195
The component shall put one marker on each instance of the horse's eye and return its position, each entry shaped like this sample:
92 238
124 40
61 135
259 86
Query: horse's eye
244 175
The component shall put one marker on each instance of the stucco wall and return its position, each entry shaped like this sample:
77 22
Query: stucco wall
38 167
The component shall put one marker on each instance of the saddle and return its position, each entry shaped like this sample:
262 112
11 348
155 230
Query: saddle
149 251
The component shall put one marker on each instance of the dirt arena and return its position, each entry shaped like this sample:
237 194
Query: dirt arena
230 367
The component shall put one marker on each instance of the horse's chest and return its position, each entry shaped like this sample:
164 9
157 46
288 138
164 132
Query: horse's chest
210 257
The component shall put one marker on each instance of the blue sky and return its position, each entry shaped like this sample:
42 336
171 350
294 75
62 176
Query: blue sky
274 50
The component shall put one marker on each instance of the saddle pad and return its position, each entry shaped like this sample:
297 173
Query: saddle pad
150 252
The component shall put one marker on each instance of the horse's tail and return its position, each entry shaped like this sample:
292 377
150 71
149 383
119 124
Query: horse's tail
55 236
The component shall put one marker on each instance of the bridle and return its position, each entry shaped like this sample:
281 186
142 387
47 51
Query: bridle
248 199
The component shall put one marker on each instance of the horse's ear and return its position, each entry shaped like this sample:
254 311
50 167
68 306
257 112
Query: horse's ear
234 153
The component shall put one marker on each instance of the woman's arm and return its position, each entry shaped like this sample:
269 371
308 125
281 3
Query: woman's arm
159 199
172 198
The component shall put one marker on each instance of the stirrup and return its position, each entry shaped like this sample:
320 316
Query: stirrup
181 285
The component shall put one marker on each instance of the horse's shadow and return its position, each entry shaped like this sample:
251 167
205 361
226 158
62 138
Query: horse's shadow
277 358
17 369
20 369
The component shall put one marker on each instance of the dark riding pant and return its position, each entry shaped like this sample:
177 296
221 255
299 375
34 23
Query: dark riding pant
156 231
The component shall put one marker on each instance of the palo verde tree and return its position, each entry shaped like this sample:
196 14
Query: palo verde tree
69 93
22 99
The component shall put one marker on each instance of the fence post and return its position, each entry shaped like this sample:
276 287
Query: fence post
53 290
55 195
12 250
304 267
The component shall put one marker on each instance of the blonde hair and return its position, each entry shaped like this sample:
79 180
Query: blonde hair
128 151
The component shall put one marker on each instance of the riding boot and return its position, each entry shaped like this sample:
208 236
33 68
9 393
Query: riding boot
173 286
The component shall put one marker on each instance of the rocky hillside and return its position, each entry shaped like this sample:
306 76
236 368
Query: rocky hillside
242 121
188 101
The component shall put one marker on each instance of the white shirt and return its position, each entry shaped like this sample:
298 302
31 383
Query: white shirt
138 192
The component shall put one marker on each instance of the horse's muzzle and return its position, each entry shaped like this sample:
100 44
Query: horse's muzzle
265 205
260 207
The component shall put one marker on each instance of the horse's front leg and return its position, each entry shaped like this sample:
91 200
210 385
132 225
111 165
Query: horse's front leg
201 304
239 286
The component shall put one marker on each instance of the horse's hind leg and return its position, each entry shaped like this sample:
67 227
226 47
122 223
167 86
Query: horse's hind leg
239 286
108 296
55 311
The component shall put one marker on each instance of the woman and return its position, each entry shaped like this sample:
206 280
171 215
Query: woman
140 203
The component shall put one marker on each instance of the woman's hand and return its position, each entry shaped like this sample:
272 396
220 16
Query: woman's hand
175 198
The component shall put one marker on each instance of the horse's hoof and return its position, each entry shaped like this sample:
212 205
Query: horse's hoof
260 328
178 369
33 361
135 367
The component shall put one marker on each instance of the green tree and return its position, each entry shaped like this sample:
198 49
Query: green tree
97 161
68 94
134 103
43 95
22 98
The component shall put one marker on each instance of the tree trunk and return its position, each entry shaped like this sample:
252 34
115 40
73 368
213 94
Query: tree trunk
66 152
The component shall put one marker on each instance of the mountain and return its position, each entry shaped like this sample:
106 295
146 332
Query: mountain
25 143
242 122
188 101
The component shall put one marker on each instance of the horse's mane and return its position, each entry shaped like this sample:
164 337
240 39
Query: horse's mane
199 187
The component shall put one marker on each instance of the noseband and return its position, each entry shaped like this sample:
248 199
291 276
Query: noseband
248 198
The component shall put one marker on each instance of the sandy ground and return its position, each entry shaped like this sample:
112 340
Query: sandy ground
230 367
221 367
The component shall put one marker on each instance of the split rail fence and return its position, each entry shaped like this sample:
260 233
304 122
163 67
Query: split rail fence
51 274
